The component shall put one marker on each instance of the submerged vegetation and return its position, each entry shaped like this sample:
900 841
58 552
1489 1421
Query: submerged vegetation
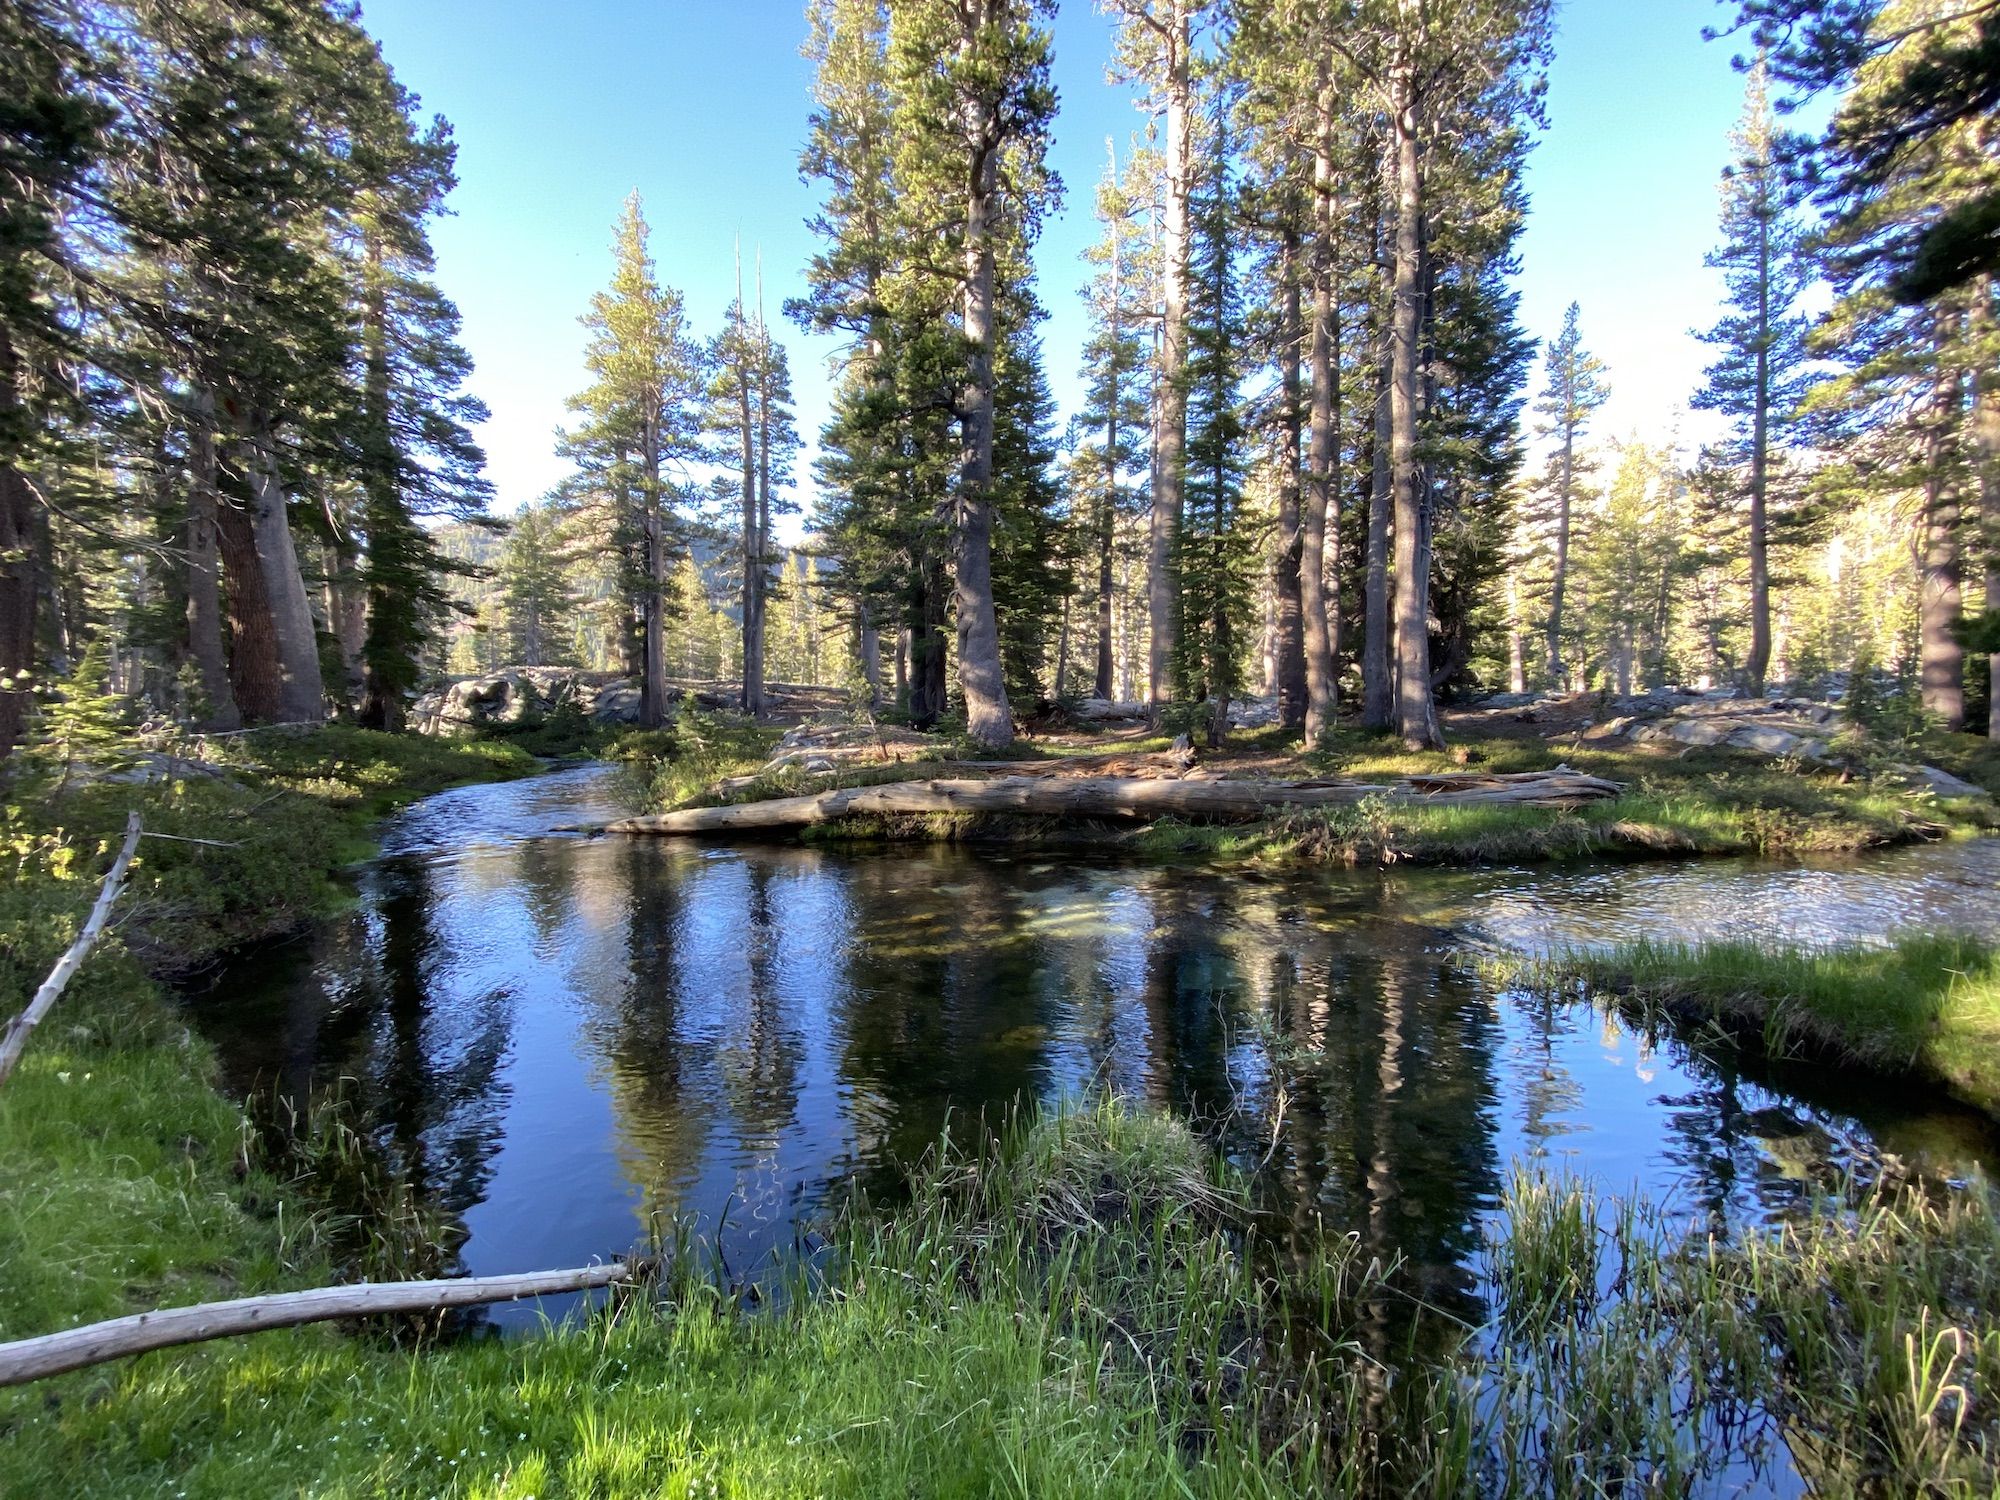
1925 1006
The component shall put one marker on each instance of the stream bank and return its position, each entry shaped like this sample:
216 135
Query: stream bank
583 1037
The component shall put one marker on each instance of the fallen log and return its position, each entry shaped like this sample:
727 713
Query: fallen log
1119 797
97 1343
15 1040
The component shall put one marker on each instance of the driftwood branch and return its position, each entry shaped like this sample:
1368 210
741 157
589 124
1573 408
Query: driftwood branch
15 1039
1122 797
97 1343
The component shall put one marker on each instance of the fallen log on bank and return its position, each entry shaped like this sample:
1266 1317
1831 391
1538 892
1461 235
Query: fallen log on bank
1122 797
15 1040
97 1343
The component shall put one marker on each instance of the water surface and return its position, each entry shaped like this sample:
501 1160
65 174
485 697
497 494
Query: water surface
566 1039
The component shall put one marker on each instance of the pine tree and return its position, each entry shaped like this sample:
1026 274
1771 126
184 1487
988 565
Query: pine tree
416 457
1573 391
536 604
1216 549
973 92
1761 374
1112 423
641 415
49 137
1156 41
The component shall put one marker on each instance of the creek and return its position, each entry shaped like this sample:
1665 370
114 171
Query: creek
567 1040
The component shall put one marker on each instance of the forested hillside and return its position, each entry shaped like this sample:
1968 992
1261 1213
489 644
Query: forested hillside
1319 457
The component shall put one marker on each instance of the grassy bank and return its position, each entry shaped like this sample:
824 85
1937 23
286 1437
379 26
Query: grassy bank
1678 802
1081 1306
1924 1007
125 1179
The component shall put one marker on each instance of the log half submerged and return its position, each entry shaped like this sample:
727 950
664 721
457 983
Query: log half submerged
1125 798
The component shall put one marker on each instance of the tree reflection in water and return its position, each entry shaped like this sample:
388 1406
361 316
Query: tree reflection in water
568 1040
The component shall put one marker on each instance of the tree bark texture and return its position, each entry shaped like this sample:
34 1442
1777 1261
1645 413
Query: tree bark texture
1170 440
1416 712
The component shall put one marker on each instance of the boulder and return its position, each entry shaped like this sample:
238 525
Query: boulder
517 694
1766 740
1937 782
1697 732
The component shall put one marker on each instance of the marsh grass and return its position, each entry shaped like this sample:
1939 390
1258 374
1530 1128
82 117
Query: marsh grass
1922 1005
1080 1303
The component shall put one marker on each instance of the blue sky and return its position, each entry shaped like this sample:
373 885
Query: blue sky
701 105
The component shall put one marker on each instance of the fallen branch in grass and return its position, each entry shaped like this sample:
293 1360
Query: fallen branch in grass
1125 798
97 1343
15 1038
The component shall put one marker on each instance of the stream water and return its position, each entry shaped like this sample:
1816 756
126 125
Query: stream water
564 1037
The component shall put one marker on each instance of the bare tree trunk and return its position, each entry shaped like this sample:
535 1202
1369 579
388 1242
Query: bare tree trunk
204 587
301 695
1289 583
19 583
1416 712
1062 649
346 602
1941 657
751 698
980 675
1759 660
253 646
1322 509
1566 472
1517 667
1986 435
1107 517
1377 680
653 608
1170 441
869 649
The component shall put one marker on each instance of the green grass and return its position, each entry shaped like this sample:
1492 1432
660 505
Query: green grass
1677 803
293 809
125 1179
1926 1005
1080 1305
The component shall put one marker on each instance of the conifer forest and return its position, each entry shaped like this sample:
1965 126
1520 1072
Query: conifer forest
1187 814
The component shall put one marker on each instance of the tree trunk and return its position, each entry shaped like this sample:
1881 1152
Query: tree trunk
1759 661
653 607
1123 797
1170 440
1290 668
751 698
301 697
1377 680
1416 713
1941 657
1107 515
1553 654
980 676
1986 435
253 646
1322 512
19 584
869 649
347 605
204 586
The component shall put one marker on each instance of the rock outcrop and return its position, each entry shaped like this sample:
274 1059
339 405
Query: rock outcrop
518 694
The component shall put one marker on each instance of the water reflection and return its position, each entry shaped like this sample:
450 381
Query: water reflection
568 1039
